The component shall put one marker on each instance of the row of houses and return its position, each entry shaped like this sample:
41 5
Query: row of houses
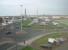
43 20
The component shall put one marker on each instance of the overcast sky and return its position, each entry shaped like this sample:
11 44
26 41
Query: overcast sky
48 7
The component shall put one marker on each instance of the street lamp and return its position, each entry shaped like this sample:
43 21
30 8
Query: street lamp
21 16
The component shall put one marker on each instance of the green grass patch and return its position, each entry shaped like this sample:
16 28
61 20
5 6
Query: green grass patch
37 26
44 39
28 48
26 23
63 22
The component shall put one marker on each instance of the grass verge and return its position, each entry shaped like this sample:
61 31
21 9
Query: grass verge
44 40
28 48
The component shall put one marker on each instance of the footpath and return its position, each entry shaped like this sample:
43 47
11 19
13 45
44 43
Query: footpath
28 42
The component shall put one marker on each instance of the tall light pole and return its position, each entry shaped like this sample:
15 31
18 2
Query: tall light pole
25 12
37 12
21 16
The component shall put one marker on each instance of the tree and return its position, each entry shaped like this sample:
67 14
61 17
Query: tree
1 20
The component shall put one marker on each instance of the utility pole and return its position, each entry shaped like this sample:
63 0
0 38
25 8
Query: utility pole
21 16
25 12
1 27
37 12
20 25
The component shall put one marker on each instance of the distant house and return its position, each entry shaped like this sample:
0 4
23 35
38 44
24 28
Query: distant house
44 20
35 21
51 40
56 17
55 23
24 18
42 23
41 20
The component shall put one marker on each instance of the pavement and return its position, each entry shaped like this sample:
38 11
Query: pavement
28 42
30 33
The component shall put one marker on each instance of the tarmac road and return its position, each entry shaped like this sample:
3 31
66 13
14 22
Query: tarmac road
30 33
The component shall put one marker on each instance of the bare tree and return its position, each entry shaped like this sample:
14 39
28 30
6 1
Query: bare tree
1 20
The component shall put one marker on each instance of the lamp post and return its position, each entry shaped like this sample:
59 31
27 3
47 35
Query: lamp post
25 13
37 12
21 16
